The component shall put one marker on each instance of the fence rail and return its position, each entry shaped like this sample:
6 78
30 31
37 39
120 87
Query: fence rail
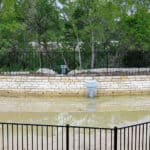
17 136
105 63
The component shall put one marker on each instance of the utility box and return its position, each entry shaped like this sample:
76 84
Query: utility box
63 69
91 86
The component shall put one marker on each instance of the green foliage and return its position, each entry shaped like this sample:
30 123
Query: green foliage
90 29
136 30
43 20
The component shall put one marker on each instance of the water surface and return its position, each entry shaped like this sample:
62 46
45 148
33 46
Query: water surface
100 112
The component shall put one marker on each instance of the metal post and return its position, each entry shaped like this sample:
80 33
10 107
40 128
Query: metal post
107 62
40 59
9 64
67 137
115 138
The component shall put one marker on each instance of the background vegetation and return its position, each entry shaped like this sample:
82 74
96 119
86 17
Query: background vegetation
78 33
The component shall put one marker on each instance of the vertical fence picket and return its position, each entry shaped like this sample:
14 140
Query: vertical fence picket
33 136
115 137
29 60
12 136
3 146
67 137
22 136
135 137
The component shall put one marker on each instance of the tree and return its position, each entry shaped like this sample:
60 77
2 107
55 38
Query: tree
43 21
99 25
136 30
72 15
12 25
90 23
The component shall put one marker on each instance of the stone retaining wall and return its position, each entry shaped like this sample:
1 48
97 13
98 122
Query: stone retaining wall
73 86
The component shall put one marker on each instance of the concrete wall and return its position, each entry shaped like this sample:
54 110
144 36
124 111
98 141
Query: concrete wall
73 86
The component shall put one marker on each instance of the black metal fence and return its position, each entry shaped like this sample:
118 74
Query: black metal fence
109 63
15 136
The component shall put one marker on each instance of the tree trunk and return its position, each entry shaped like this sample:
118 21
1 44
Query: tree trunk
93 51
79 53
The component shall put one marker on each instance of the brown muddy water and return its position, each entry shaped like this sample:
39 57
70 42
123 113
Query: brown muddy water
98 112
